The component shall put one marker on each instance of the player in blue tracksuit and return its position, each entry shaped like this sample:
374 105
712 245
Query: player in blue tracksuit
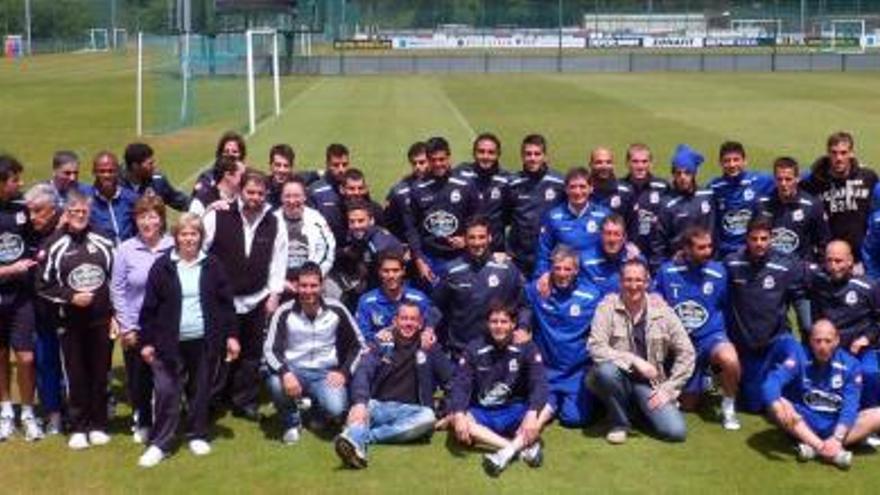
763 285
574 223
531 192
736 194
499 392
355 266
440 206
325 195
376 308
685 205
871 247
398 199
696 288
491 182
560 326
814 396
608 190
649 195
799 225
602 270
142 177
852 304
475 281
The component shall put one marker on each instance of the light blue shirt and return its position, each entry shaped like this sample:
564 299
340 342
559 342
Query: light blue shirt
192 321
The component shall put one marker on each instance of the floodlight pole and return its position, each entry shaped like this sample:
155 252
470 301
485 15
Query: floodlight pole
276 74
140 84
252 104
27 23
804 18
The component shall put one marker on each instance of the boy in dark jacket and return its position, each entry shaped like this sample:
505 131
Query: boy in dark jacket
498 392
392 390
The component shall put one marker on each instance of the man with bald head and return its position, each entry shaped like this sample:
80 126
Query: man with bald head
814 397
608 191
852 304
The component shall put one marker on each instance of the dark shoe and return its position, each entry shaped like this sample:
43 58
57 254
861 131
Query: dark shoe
351 455
247 413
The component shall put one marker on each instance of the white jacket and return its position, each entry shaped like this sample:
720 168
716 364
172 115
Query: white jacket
322 244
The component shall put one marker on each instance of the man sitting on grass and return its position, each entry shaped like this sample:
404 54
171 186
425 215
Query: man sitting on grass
498 391
392 390
814 396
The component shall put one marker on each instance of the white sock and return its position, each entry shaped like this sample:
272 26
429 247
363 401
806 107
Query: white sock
507 453
6 409
728 406
27 411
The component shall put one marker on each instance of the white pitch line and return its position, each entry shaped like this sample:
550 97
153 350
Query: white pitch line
459 116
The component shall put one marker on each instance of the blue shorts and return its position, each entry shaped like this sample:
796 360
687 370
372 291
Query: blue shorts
756 365
704 347
504 420
822 425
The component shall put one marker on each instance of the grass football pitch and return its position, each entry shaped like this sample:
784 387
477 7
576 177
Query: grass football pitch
86 103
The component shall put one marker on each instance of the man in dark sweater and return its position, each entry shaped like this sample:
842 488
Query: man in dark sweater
392 391
251 243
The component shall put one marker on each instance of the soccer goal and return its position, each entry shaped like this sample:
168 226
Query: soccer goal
99 40
268 40
757 28
120 38
844 35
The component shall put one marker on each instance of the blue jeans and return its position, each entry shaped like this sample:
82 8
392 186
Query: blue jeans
392 422
620 393
333 402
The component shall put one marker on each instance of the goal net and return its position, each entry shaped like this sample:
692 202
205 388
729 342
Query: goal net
844 35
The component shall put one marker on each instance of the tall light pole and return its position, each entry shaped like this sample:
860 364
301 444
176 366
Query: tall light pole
27 24
559 52
804 18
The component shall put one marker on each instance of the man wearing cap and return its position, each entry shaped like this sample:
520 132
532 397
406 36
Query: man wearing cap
685 206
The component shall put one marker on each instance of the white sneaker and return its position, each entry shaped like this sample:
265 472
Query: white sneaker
872 441
805 452
616 436
151 457
53 425
140 435
78 441
7 427
199 447
32 429
843 459
291 436
730 422
98 437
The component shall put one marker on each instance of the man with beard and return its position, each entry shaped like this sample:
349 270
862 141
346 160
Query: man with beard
398 199
325 195
491 182
143 177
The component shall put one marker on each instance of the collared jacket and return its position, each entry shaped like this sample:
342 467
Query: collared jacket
114 218
581 231
529 196
160 314
376 311
489 376
617 196
852 304
649 196
871 247
320 245
159 185
131 268
396 203
433 368
611 340
16 243
680 211
697 294
491 188
800 228
324 196
735 201
330 341
439 209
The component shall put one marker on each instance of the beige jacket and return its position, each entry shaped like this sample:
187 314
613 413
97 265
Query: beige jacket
611 340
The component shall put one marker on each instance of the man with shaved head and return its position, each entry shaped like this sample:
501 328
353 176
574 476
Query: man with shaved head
814 397
608 191
852 304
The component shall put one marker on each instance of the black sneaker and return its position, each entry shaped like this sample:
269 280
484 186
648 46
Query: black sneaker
494 464
533 455
349 452
247 413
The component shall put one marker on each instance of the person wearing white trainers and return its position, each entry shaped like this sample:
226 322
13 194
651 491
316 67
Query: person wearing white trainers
696 288
642 357
814 396
17 321
499 392
187 321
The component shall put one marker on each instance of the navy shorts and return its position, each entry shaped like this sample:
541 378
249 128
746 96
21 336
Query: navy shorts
504 420
704 347
17 325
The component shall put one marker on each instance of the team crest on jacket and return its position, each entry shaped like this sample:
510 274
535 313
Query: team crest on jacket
575 310
737 221
21 218
91 248
784 240
692 314
748 194
455 197
549 195
654 198
493 280
705 207
708 288
836 381
87 277
592 227
615 201
797 215
496 193
851 298
513 366
421 358
769 282
11 247
441 223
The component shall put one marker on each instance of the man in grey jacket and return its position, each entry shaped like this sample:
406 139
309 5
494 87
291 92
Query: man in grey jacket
634 335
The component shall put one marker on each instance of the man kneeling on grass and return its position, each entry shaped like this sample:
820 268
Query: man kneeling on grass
814 396
498 391
392 390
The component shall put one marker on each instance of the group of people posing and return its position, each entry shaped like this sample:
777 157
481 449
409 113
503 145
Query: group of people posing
475 299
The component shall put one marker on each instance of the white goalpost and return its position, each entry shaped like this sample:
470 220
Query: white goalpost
251 83
844 32
757 27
